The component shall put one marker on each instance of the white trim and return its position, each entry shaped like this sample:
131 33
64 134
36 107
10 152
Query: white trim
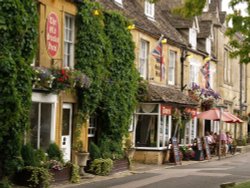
46 98
149 10
119 3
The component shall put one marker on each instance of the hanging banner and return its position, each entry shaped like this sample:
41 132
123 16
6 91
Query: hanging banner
52 34
166 110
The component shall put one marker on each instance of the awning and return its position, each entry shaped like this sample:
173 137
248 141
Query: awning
215 115
168 94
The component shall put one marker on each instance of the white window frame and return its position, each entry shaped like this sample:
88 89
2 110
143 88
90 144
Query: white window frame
208 45
227 67
51 99
193 76
159 131
92 126
119 2
69 41
171 67
149 9
143 60
212 77
193 37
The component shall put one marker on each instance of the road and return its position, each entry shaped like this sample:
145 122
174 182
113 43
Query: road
200 175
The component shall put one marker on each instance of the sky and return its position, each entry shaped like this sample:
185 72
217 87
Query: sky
225 3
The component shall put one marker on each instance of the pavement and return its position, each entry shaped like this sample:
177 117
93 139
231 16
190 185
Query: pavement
135 169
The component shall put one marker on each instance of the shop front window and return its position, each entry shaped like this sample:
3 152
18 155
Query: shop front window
40 124
146 130
152 130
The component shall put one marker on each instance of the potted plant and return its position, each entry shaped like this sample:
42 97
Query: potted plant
129 150
81 154
81 157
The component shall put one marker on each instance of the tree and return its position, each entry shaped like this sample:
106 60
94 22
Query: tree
240 29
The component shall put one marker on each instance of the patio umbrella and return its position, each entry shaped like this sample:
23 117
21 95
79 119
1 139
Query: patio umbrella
235 119
214 114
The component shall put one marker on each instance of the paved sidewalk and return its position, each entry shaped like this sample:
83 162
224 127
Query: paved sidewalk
136 168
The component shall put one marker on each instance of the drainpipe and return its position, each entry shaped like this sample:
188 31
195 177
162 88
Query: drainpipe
240 98
183 57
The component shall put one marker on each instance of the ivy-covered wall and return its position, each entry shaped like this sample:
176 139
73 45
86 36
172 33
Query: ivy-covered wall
18 30
105 53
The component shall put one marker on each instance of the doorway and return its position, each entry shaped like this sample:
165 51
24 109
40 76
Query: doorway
66 131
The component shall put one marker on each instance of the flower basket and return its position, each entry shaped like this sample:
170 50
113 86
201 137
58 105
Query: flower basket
207 104
63 174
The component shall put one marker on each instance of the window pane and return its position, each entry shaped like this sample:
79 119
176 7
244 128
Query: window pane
45 129
65 123
146 131
34 124
143 63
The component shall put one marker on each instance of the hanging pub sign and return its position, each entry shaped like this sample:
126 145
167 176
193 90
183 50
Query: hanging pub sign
52 34
166 110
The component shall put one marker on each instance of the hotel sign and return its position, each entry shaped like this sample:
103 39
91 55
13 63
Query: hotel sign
52 34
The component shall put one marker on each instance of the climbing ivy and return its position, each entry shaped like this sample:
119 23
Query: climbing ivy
18 30
92 54
105 53
120 93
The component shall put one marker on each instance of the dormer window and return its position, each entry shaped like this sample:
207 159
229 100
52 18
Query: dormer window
118 2
149 10
193 37
208 45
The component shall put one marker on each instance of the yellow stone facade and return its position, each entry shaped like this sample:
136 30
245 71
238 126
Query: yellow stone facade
43 59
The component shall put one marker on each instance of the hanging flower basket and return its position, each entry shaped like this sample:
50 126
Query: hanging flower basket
207 104
55 80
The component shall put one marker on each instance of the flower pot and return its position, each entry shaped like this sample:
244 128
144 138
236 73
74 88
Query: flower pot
82 158
130 153
61 175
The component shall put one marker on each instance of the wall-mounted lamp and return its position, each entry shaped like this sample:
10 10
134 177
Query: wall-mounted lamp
207 58
131 27
164 41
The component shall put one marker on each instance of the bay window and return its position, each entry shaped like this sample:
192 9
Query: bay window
152 130
42 121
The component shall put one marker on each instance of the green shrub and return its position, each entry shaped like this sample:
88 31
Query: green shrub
75 177
54 152
5 183
94 151
29 156
39 176
40 155
101 166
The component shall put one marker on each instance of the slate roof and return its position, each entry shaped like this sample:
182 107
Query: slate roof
133 10
169 95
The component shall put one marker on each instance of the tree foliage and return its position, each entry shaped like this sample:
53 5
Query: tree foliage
239 32
105 53
190 8
18 30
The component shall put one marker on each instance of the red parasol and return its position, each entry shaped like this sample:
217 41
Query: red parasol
214 114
